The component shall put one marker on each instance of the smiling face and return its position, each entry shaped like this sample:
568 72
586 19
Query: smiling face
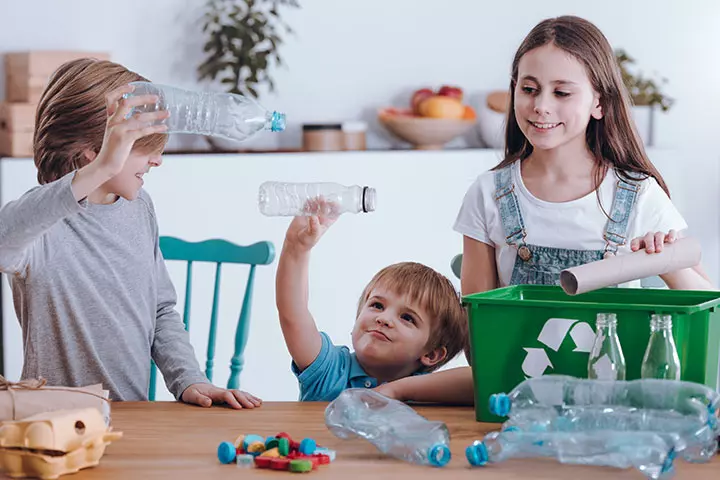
553 98
128 182
391 332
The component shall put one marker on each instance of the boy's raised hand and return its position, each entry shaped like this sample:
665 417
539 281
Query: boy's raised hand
121 133
304 232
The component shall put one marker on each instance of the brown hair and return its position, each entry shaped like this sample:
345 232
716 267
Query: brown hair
435 294
71 116
613 139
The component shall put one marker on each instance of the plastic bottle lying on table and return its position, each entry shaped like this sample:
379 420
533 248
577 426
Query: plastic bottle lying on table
391 426
562 391
645 451
672 409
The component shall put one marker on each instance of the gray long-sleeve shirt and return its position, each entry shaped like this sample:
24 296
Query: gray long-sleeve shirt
92 293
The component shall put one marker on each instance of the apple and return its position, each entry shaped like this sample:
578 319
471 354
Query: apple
451 91
418 96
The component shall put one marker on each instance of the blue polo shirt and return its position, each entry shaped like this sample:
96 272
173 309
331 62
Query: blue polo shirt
334 370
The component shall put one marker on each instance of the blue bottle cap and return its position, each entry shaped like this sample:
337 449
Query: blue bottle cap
499 404
277 122
668 463
439 455
307 446
226 452
477 454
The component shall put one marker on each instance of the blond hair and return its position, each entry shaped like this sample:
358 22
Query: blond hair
436 295
72 115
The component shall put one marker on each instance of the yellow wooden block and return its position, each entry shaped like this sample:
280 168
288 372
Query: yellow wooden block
273 452
256 447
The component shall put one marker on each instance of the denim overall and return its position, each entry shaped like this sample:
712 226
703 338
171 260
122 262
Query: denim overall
537 265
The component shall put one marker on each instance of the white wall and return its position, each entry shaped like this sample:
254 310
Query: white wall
350 57
215 196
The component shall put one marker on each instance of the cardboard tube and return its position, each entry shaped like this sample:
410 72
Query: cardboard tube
683 253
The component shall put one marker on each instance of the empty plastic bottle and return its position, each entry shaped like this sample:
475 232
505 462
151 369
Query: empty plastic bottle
647 452
562 391
685 411
226 115
693 436
391 426
323 198
606 360
661 357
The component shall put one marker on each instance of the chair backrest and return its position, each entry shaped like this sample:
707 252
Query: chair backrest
217 251
456 264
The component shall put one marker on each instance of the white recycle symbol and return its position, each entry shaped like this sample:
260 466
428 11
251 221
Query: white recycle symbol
552 335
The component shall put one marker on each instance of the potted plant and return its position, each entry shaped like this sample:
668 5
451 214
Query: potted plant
243 42
646 95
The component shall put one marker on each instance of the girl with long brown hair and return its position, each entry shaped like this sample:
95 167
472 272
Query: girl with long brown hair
575 185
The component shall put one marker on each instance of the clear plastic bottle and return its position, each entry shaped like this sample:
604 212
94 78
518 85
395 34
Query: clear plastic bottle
647 452
562 391
661 357
226 115
606 361
391 426
322 198
685 411
694 436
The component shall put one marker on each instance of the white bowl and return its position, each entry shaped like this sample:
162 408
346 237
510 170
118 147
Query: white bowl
423 133
490 124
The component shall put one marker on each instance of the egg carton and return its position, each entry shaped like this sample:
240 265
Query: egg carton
52 444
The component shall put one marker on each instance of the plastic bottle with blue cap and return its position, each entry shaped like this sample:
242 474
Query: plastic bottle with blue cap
226 115
647 452
563 391
393 427
680 412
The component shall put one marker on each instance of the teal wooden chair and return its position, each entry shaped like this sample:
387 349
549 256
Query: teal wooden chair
456 264
217 251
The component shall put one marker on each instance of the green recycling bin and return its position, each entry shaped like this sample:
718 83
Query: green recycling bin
524 331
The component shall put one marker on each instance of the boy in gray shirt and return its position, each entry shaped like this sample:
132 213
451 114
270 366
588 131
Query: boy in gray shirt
89 282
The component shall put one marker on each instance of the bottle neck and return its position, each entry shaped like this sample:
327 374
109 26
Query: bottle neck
365 198
660 323
275 121
606 322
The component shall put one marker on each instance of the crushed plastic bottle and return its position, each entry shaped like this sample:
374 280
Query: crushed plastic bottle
562 391
680 412
225 115
693 437
645 451
394 428
321 198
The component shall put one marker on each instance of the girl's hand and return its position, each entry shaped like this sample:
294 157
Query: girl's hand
653 242
121 133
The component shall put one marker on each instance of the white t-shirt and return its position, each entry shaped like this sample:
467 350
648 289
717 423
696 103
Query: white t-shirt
577 224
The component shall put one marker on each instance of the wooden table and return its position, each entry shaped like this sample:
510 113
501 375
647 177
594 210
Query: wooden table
173 440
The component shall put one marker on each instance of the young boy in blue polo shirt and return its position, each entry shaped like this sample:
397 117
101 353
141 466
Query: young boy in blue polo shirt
409 321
